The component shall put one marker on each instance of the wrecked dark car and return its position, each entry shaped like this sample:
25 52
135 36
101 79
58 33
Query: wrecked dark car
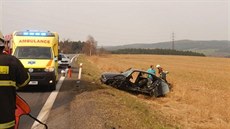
136 80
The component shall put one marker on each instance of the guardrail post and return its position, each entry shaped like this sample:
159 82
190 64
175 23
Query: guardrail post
80 70
63 72
79 73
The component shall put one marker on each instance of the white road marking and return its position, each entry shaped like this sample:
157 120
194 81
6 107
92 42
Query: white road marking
73 58
44 113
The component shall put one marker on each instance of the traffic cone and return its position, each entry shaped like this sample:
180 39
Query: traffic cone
69 72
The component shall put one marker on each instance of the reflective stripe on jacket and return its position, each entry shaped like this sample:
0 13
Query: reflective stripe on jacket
7 125
12 71
25 82
7 83
12 76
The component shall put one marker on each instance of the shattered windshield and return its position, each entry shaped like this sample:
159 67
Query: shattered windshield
127 73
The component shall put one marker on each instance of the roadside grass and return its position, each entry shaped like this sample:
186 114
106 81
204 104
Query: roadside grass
200 95
120 109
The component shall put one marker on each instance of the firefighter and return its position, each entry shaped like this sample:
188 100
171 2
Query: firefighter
160 69
12 76
162 73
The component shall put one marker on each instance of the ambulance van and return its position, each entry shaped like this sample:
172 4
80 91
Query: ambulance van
38 52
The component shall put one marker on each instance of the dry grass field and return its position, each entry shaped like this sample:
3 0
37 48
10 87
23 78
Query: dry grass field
200 98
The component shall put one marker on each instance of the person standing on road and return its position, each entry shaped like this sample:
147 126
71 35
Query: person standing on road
12 75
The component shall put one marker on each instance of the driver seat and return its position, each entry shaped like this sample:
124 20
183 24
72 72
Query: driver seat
143 82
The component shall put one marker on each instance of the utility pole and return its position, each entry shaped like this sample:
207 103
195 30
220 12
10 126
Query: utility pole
173 41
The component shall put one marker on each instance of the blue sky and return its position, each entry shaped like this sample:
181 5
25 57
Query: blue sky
119 22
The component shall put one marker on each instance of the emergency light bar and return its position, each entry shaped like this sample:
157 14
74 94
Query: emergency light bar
34 33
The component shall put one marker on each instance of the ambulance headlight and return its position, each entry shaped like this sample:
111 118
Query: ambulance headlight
49 69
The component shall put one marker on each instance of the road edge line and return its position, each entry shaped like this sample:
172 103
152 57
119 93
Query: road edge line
44 113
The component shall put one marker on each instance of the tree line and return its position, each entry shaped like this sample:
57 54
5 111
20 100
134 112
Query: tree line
156 51
89 47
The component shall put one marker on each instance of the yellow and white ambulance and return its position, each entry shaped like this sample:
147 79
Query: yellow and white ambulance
38 52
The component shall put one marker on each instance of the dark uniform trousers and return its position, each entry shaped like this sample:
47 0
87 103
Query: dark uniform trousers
12 76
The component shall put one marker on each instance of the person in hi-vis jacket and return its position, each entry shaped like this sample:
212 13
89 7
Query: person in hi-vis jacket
13 75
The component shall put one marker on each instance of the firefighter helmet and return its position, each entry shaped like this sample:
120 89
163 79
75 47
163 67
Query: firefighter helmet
1 39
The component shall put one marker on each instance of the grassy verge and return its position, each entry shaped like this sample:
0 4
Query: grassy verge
117 108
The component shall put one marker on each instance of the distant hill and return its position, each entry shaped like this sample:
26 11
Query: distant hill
209 48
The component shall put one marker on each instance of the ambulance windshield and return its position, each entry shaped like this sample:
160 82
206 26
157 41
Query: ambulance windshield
33 52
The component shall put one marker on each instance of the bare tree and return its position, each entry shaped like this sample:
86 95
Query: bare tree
90 46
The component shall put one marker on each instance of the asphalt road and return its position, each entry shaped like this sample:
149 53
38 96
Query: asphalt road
36 97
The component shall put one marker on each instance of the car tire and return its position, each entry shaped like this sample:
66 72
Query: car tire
117 83
152 93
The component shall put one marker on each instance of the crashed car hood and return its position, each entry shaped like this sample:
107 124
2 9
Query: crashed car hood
110 74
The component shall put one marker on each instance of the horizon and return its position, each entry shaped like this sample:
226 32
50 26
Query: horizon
120 22
162 42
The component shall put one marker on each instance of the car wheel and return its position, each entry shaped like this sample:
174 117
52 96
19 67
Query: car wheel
152 92
114 84
117 83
